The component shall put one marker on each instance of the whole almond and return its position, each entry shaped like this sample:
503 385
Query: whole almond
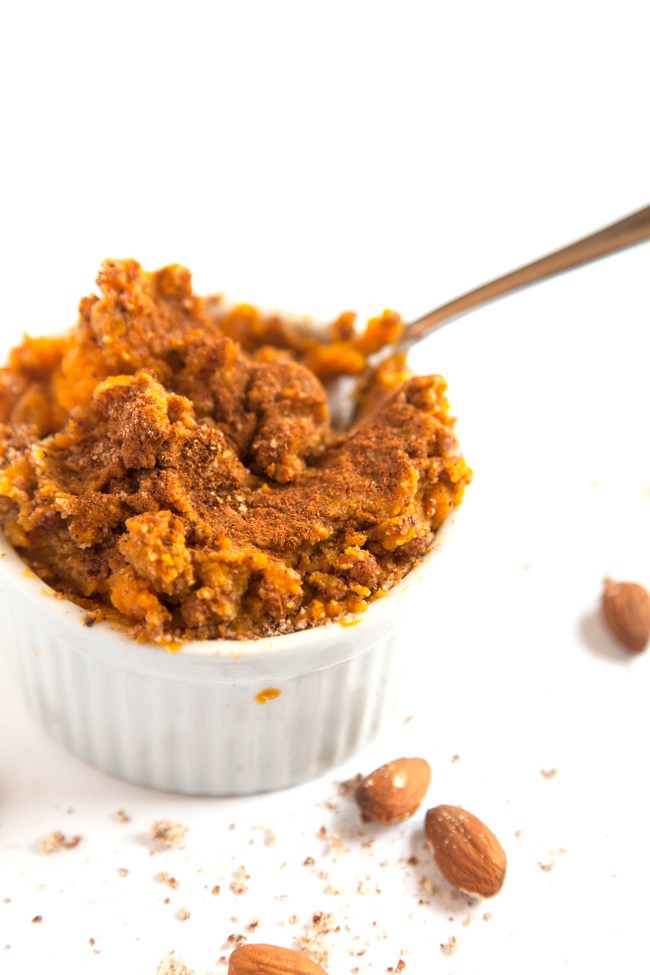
468 854
271 960
393 792
626 608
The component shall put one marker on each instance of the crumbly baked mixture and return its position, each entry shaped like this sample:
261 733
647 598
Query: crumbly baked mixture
169 463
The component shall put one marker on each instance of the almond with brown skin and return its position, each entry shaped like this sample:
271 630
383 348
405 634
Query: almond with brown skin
626 608
468 854
394 792
271 960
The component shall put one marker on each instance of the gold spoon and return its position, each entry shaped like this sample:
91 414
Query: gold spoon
617 236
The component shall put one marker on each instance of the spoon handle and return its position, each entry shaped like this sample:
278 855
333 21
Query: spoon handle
624 233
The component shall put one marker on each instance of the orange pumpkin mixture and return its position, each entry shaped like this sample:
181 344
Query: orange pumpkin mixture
169 463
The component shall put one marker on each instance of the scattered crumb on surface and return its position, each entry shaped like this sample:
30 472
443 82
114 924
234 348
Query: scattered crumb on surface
349 787
173 966
315 942
122 818
330 804
336 844
455 758
270 836
166 833
166 878
37 919
239 885
550 864
56 841
216 890
449 947
487 916
426 886
182 914
122 872
548 773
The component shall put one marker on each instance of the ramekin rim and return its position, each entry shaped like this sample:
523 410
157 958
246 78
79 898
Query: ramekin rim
68 614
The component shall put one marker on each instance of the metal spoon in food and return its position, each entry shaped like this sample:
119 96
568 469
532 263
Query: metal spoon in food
617 236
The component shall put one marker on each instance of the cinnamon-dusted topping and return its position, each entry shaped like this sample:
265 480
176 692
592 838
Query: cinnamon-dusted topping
170 480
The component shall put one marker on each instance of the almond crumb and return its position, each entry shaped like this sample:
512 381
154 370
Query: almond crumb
449 947
166 878
56 841
182 914
238 888
173 966
166 833
349 787
315 941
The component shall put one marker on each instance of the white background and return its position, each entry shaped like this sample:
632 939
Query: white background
323 156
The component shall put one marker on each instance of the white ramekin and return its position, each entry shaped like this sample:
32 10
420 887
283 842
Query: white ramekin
191 721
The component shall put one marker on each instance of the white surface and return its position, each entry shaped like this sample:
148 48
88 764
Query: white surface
324 156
